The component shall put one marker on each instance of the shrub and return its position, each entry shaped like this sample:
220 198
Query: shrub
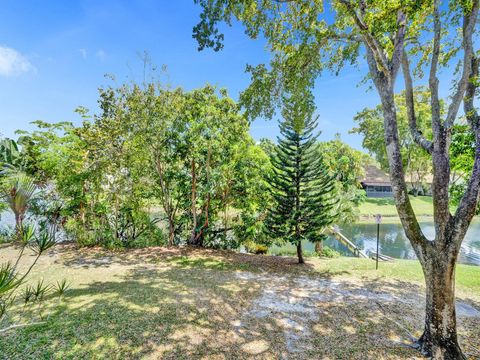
132 230
254 248
329 253
39 241
7 234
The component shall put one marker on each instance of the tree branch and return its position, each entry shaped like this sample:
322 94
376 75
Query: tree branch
469 21
410 103
466 209
380 58
397 174
398 45
473 118
468 204
433 80
11 327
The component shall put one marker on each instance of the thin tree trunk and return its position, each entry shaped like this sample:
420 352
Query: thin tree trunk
194 206
19 225
82 207
319 247
300 252
171 231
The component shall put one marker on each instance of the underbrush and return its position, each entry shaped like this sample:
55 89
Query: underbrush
287 251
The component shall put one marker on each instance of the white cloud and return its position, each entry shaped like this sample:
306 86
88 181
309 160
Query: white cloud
83 52
101 54
13 63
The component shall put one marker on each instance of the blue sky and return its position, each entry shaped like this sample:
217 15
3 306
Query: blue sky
54 55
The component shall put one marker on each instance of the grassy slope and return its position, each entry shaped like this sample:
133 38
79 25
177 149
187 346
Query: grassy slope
467 276
192 304
386 206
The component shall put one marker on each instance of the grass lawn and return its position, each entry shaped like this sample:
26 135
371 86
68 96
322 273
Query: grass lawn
422 205
185 303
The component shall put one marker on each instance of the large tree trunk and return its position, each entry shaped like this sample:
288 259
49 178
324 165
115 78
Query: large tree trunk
439 339
300 253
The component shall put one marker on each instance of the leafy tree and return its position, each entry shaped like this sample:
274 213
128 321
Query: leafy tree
214 136
149 125
416 161
92 183
302 188
268 146
56 157
348 166
189 152
118 190
307 37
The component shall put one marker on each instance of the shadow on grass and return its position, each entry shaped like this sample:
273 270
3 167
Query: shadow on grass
195 310
187 257
183 313
192 303
381 201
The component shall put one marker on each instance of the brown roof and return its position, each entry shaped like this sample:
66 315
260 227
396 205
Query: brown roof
375 176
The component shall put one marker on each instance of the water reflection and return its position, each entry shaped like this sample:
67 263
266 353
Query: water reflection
394 243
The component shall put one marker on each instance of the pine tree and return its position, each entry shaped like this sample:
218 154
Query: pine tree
302 189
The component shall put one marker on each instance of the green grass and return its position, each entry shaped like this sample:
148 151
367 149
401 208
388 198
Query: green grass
422 205
159 303
467 276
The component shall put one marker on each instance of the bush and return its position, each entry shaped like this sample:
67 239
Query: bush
82 236
329 253
7 234
254 248
291 251
134 231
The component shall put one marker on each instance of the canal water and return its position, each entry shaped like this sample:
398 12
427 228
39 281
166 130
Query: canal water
394 243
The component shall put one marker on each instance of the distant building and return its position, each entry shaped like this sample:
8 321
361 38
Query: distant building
376 182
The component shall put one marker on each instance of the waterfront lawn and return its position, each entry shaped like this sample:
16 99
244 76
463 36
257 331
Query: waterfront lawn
422 205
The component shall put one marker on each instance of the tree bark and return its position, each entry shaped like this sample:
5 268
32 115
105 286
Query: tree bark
171 231
300 252
193 236
439 339
319 247
19 225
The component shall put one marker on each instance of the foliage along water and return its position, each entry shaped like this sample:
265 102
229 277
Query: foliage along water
393 241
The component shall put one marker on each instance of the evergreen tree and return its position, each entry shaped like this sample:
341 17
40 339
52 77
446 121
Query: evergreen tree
302 189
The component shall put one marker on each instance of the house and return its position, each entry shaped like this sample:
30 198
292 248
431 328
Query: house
376 182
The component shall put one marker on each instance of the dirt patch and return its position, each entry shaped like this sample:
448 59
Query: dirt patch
297 306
